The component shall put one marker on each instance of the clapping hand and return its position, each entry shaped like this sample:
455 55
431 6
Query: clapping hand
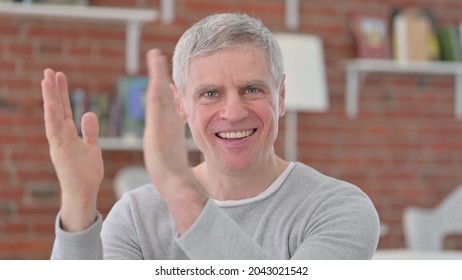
78 162
165 152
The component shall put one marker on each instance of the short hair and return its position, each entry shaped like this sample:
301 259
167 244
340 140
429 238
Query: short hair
223 31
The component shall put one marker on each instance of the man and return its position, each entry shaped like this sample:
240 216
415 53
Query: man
243 201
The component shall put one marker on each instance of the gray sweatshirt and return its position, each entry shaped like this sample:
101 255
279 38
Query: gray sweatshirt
302 215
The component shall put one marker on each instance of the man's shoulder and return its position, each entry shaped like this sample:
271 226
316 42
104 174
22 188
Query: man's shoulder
322 193
309 179
143 197
309 176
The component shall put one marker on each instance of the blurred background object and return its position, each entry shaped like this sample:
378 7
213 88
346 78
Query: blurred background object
129 178
305 83
425 229
403 146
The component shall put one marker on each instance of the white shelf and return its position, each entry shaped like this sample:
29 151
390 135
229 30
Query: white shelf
79 12
357 68
133 144
133 19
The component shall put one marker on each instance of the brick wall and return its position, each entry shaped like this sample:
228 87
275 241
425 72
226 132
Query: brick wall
404 148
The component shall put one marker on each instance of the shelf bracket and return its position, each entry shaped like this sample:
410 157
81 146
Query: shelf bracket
132 46
292 11
458 96
133 36
167 9
351 96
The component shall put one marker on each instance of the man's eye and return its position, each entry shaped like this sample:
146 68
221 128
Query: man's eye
210 94
251 90
254 93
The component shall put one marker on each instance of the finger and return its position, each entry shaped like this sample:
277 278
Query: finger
49 92
157 64
48 87
61 84
90 128
159 96
52 110
158 69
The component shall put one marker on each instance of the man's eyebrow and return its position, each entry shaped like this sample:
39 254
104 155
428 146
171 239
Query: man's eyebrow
255 83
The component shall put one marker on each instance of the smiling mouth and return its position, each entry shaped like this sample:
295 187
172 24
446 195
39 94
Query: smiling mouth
236 134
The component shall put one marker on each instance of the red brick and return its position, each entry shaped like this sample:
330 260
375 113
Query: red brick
14 227
37 211
10 194
208 6
116 33
403 148
25 248
53 32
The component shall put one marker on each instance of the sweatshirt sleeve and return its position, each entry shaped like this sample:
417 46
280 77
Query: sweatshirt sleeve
217 236
85 245
344 226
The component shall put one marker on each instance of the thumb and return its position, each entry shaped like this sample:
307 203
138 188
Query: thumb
90 128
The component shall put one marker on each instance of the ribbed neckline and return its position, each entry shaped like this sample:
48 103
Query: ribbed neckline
268 192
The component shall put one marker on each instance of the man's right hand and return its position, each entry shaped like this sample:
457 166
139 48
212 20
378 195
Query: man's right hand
78 162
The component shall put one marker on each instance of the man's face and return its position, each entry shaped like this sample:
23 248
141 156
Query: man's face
233 105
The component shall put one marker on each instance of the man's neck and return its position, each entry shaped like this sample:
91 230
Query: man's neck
235 186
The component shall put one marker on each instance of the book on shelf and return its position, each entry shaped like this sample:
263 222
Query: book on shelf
62 2
414 36
98 103
459 37
78 105
131 92
115 113
120 115
371 35
450 43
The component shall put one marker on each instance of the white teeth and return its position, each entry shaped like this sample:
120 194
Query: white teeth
235 134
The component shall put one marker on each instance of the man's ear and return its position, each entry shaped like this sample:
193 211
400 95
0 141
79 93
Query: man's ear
282 97
178 99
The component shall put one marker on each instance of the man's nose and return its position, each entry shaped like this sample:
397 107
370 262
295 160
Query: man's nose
234 109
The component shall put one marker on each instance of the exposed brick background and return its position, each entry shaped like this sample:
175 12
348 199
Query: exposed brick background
404 148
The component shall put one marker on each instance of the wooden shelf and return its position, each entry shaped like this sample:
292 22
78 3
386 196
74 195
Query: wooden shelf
357 68
133 19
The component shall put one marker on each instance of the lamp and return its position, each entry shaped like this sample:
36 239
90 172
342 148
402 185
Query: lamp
305 82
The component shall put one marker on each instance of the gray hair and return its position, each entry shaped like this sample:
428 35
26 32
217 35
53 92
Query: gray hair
224 31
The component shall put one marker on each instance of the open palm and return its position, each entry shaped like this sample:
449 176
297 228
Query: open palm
78 162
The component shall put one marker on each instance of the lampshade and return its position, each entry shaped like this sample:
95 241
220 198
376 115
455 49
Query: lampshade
305 81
